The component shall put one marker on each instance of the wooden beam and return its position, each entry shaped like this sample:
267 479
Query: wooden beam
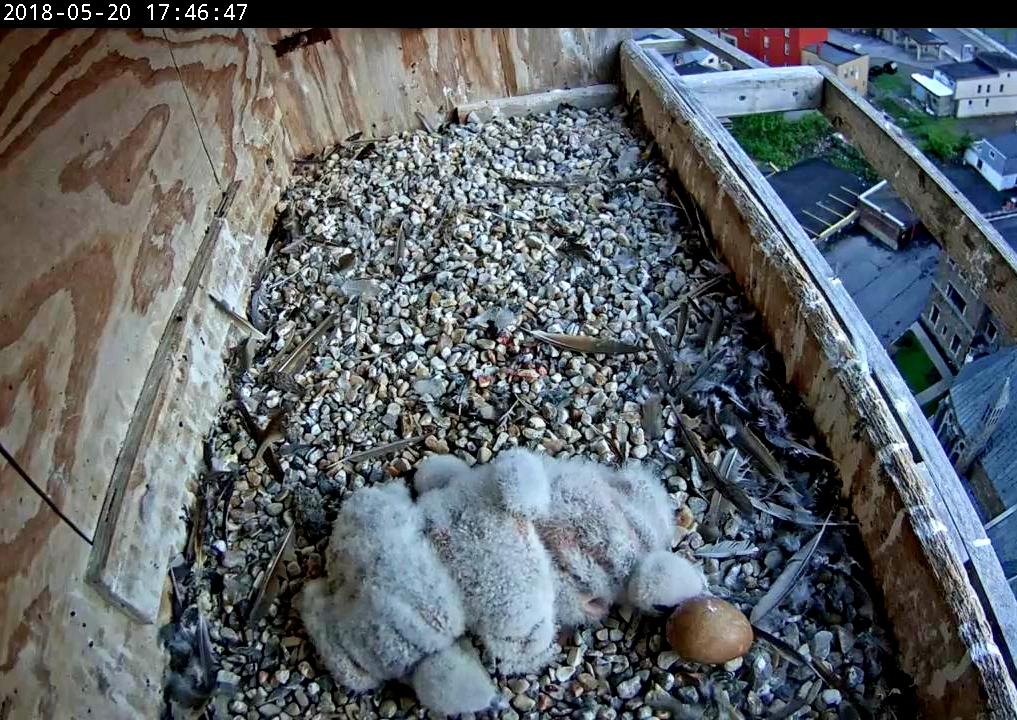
745 92
724 50
985 260
830 210
584 97
941 628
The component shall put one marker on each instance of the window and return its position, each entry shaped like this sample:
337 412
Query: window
990 331
1001 87
787 32
787 48
955 344
969 103
746 32
766 42
986 102
979 89
992 154
934 315
955 298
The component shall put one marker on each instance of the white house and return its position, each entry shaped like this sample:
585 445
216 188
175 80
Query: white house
996 159
986 85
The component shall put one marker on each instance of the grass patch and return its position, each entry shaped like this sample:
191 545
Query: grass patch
936 136
914 364
771 138
896 84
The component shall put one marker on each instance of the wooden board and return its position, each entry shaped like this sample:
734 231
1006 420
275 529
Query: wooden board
745 92
585 98
721 48
945 641
115 150
226 78
375 80
106 193
64 651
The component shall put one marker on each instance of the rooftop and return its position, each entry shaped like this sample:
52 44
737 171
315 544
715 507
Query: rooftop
985 64
923 36
932 85
1007 227
973 186
1005 143
998 60
967 70
975 389
884 197
694 68
832 53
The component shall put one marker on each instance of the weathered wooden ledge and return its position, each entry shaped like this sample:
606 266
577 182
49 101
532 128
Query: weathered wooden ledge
945 641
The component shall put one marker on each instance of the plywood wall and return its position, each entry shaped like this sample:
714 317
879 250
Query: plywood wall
117 149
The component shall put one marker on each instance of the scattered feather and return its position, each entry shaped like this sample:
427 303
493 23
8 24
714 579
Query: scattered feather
727 549
796 516
738 497
289 364
379 451
241 322
269 586
787 579
586 343
751 444
653 417
274 432
785 443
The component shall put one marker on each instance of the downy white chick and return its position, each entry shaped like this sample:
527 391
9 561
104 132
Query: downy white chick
510 552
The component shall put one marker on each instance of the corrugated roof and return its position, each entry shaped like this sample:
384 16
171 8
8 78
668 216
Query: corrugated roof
975 389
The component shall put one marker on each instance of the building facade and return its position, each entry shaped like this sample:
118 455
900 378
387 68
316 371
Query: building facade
774 46
850 66
986 85
957 319
996 159
935 97
976 423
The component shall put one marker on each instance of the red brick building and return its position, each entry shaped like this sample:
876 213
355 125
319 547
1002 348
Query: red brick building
774 46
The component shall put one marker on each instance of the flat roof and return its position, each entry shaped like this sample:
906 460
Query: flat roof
923 36
967 70
998 60
832 53
932 85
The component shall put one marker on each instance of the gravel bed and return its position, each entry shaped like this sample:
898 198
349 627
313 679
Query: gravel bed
530 281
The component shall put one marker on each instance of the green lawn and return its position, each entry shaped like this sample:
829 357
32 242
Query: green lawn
936 136
772 138
914 364
896 84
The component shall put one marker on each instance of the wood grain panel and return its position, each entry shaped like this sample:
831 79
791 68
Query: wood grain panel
65 652
375 80
106 192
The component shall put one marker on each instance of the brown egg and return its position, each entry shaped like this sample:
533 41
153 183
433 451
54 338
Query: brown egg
709 630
